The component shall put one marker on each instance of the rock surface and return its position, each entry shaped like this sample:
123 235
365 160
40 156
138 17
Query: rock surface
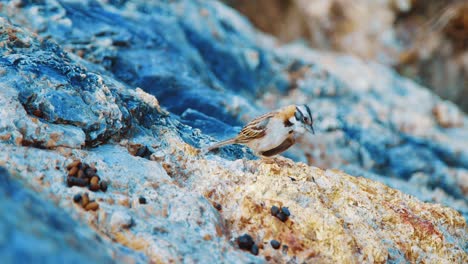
34 230
68 91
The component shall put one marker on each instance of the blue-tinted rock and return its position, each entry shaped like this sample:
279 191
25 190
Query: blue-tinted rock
33 230
75 85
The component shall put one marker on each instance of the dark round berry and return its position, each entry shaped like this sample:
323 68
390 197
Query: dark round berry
274 210
275 244
254 250
281 216
218 206
142 200
285 211
245 242
77 198
103 186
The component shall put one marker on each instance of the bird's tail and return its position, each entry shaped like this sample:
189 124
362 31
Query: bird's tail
220 144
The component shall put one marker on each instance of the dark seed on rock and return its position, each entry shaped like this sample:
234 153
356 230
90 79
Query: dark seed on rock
81 174
143 151
90 172
285 211
74 181
218 206
77 198
254 250
103 186
85 199
282 217
75 163
94 180
92 206
94 187
274 210
73 171
275 244
245 242
142 200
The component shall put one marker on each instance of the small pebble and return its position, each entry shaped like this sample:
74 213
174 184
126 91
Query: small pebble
245 242
103 186
93 206
274 210
77 198
142 200
254 250
275 244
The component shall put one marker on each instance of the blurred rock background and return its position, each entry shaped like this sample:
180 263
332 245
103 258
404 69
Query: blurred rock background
426 41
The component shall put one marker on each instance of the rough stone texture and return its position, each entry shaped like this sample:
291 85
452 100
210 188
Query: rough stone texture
35 231
70 92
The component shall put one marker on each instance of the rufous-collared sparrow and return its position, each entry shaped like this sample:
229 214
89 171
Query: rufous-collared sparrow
273 132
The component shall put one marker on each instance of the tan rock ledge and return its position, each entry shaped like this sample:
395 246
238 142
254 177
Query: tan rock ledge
335 217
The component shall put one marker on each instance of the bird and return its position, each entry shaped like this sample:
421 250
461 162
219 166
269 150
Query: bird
273 133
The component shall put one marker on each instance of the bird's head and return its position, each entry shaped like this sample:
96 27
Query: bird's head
303 120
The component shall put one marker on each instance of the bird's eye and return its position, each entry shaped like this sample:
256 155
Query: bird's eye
306 119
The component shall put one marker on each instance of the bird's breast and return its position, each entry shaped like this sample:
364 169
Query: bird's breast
275 134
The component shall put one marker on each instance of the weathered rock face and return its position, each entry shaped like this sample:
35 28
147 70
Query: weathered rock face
69 93
33 230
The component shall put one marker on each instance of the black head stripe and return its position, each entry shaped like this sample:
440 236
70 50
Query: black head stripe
308 111
298 114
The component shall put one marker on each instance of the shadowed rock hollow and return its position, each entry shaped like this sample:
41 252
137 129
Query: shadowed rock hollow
69 77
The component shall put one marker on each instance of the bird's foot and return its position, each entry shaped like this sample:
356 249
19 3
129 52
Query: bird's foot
278 160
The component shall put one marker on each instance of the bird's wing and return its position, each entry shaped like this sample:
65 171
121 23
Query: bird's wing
255 129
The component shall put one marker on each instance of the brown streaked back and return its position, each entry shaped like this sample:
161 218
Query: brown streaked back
255 128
